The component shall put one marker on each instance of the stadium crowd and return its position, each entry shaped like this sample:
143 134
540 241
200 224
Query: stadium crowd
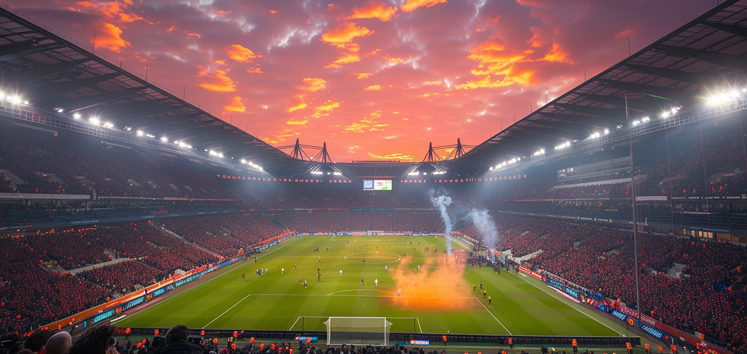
35 288
708 297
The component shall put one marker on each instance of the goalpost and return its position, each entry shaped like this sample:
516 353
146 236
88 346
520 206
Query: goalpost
358 330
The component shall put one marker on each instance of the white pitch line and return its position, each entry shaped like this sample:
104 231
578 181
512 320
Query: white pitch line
294 323
491 314
224 312
235 266
421 328
569 305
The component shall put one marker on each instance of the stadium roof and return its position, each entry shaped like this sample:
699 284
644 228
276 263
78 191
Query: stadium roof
675 71
709 53
55 74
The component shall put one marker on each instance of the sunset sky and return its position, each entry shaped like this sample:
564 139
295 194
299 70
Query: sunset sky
373 79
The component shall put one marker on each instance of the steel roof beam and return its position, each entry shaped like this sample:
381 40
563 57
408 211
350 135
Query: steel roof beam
739 31
737 62
39 72
603 113
19 49
654 91
47 91
74 104
691 78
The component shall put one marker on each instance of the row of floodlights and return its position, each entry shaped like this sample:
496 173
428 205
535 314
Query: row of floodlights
724 97
329 173
435 173
713 100
140 133
243 161
506 163
13 99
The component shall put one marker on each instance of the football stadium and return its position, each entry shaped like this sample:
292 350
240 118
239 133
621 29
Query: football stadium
609 217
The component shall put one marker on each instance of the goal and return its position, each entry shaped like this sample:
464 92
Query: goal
358 330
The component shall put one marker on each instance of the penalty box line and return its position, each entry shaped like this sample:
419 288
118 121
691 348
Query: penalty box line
491 314
394 318
569 305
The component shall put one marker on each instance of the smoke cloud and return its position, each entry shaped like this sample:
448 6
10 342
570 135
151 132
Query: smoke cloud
486 227
442 202
437 286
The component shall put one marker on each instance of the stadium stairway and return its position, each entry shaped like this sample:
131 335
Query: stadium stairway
173 234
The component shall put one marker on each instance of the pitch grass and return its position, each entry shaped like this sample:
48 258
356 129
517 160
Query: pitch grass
277 301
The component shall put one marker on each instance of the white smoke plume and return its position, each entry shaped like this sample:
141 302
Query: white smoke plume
442 202
486 227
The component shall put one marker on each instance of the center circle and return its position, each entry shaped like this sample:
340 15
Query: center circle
373 258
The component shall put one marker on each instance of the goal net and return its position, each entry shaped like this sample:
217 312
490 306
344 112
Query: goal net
358 330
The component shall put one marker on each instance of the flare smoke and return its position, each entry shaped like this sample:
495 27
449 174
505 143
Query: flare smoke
486 227
442 202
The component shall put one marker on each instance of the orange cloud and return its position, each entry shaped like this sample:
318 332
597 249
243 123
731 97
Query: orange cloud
411 5
424 289
273 12
235 105
392 157
240 53
346 58
194 35
219 81
293 121
281 135
396 61
345 34
374 10
373 88
499 68
432 83
300 105
312 84
254 70
110 38
324 109
363 75
132 18
366 124
556 55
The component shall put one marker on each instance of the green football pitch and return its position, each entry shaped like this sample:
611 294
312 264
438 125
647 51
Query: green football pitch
279 301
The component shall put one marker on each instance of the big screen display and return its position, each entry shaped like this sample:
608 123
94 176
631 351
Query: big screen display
377 185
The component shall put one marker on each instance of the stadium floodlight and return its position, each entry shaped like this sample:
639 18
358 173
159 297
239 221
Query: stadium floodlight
76 116
413 173
491 168
636 122
26 102
645 119
564 145
109 125
242 161
94 121
539 152
2 95
260 168
59 110
220 154
606 131
139 133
